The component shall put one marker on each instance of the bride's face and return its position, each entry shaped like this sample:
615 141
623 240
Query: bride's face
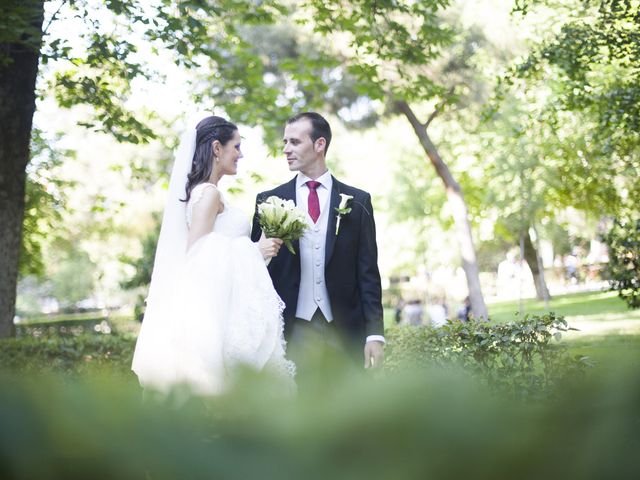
229 154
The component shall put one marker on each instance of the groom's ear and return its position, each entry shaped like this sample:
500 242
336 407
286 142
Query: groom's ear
320 145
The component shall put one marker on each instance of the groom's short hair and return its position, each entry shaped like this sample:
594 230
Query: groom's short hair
319 127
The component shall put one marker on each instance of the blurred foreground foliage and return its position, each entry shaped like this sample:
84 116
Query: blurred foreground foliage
448 406
519 358
429 425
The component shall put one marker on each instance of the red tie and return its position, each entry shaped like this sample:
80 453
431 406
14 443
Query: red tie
313 202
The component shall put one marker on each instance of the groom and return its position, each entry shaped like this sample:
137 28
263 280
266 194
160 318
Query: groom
331 287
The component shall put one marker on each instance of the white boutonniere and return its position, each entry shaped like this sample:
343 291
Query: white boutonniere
342 209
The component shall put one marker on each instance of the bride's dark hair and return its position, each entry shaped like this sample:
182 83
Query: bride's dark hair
209 129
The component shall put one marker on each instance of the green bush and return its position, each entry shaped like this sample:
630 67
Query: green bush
68 354
517 358
520 359
623 270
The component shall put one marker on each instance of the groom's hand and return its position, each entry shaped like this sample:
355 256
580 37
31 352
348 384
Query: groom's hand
269 247
373 354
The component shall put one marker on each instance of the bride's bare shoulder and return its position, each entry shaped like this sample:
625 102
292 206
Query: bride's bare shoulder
207 197
205 190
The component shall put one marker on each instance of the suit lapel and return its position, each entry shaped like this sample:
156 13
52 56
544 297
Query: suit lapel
289 192
331 221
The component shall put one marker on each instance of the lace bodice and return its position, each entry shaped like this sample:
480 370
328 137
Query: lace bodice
231 222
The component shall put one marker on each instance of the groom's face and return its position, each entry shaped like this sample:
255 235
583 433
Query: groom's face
299 149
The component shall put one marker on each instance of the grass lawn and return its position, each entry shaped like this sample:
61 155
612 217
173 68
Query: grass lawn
609 352
574 304
608 332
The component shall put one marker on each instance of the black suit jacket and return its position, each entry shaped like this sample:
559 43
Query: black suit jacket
351 264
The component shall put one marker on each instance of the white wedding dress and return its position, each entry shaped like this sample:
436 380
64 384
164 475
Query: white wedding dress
223 313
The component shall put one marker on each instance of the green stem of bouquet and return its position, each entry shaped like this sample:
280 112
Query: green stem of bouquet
289 246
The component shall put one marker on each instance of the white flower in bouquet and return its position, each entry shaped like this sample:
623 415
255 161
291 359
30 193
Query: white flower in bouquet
280 218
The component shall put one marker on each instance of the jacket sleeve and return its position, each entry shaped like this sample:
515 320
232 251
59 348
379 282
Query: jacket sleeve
368 274
256 231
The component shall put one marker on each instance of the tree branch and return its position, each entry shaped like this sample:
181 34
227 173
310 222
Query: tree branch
53 17
439 107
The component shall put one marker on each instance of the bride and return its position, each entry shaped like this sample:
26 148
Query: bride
211 305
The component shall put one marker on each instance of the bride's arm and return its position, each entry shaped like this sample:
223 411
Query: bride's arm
269 247
204 215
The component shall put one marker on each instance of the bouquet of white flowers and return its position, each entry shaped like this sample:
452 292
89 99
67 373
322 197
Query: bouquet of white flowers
280 218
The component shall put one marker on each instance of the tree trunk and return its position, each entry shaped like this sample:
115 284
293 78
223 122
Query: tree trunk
18 71
460 213
531 256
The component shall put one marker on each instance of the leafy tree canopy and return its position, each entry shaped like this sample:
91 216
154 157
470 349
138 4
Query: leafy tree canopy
591 69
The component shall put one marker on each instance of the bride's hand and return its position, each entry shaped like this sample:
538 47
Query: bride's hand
269 247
